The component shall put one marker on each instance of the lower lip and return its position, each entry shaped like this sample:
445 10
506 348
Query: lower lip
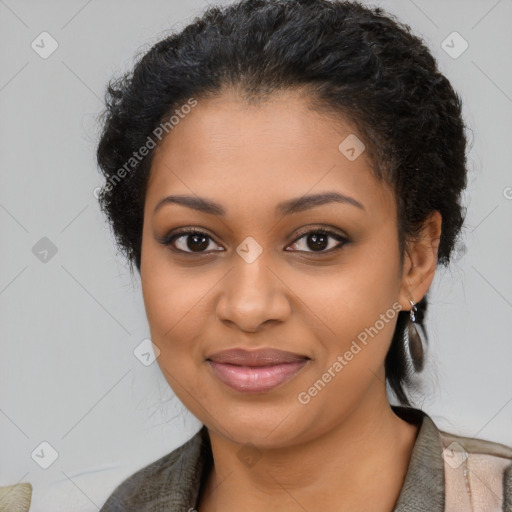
254 379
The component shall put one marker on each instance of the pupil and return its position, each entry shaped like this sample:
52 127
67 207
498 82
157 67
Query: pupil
202 245
320 241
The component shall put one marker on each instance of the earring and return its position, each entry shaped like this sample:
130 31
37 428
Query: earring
415 338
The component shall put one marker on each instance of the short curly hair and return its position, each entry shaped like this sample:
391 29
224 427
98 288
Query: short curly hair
356 62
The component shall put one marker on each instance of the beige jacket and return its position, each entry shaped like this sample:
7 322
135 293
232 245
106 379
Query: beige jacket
478 474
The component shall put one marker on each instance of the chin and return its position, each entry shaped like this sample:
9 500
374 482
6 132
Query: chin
259 424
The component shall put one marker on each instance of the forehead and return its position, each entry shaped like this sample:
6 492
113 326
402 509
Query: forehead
244 154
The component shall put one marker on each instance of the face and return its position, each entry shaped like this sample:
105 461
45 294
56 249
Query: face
266 268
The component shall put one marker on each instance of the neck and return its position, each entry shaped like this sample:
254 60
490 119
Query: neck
359 464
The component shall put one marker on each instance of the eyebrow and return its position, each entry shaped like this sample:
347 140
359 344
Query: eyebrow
288 207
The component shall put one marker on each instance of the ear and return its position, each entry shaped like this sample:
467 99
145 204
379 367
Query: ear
420 262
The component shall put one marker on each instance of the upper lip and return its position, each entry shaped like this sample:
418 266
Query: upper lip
259 357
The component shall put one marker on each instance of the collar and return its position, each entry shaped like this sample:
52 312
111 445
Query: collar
424 486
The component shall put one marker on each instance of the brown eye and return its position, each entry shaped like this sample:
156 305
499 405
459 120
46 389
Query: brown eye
319 240
189 241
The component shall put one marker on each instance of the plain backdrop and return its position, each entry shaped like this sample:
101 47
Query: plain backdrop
71 314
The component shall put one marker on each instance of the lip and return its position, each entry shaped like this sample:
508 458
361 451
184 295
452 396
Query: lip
255 371
259 357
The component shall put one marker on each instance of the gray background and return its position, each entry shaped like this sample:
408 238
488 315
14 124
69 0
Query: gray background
69 324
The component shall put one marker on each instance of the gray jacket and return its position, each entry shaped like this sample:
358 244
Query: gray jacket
447 473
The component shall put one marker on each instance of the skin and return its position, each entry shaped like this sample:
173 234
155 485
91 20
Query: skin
345 449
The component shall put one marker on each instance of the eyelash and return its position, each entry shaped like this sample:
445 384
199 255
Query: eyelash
169 239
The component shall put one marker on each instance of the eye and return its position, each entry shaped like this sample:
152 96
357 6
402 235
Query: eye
318 240
189 241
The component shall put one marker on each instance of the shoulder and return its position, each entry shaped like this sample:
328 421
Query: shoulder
168 482
479 471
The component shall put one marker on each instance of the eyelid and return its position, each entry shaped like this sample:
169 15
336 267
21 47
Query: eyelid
168 239
319 229
342 239
174 235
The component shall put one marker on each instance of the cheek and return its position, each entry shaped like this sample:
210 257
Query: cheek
173 325
177 308
353 310
361 317
164 287
348 298
172 302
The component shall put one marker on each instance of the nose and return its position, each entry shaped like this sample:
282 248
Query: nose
253 294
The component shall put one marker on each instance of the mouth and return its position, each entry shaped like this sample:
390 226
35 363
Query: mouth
255 371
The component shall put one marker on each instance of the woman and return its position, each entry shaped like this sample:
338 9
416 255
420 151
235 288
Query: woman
286 176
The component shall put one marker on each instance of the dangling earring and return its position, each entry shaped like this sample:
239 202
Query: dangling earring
416 336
